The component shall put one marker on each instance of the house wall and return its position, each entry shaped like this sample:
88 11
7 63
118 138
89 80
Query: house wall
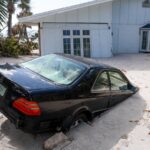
100 34
128 17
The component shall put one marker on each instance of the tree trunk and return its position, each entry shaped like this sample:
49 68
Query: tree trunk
26 34
10 25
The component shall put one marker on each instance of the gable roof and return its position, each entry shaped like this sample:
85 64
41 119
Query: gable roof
38 16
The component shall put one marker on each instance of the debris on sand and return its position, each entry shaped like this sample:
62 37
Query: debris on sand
134 121
55 140
124 136
147 111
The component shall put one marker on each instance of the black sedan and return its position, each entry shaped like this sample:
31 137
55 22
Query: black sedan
58 91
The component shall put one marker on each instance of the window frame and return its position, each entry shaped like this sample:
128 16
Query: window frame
98 75
65 32
85 51
67 51
76 32
85 46
84 32
77 52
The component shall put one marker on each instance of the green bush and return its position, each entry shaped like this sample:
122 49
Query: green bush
25 48
9 47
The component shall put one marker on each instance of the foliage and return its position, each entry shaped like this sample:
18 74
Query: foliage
9 47
27 47
3 12
24 5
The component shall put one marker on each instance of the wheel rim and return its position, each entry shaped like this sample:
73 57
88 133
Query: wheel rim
76 123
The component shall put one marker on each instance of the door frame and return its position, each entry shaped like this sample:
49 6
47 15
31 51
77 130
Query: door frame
148 41
81 37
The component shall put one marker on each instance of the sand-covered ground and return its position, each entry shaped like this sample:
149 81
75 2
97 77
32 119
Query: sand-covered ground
125 127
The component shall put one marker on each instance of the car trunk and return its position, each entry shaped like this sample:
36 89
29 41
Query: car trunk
16 82
10 91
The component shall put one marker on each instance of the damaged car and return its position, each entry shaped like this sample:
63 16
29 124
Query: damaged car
58 91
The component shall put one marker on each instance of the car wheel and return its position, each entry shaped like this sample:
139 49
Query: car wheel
72 122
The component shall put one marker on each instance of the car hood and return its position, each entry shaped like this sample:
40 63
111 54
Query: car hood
27 79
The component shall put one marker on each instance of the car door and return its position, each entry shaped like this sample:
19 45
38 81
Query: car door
119 87
101 91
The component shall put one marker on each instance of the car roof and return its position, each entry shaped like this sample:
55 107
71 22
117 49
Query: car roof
91 63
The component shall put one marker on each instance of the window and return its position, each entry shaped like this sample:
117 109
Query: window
117 81
67 45
77 46
101 83
56 68
76 32
146 3
66 32
144 40
86 47
77 42
86 32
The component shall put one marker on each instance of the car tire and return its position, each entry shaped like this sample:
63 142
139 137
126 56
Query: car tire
73 121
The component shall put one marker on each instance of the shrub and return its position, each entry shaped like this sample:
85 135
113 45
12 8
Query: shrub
25 48
9 47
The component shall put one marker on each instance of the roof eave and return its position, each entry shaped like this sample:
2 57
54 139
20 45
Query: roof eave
36 18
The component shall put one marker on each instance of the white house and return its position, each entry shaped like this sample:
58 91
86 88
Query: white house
99 28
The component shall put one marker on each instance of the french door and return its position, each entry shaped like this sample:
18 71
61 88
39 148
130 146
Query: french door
145 41
77 42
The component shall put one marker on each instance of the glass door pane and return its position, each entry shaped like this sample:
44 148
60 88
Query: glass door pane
149 42
67 45
77 46
86 47
144 40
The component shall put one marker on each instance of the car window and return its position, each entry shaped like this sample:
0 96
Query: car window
56 68
118 82
101 83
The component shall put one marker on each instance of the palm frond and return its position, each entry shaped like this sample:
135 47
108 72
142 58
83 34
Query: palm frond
3 11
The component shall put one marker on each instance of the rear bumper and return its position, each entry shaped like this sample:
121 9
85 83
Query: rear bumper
29 124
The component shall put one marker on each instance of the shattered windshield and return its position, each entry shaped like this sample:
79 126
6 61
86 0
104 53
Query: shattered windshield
56 68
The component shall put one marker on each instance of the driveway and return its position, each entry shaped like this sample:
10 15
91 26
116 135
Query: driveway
126 126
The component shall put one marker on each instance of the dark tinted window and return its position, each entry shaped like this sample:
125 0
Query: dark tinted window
67 45
66 32
77 46
86 47
101 83
76 32
118 82
86 32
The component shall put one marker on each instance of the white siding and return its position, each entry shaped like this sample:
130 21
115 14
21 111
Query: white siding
100 35
96 13
101 39
128 17
51 39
